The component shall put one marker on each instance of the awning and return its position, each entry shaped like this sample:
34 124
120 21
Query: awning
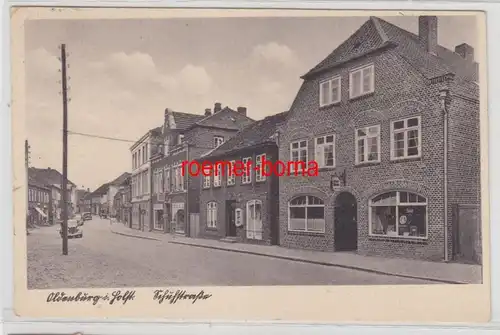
41 212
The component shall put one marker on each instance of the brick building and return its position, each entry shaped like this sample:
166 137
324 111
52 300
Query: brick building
392 119
186 137
243 208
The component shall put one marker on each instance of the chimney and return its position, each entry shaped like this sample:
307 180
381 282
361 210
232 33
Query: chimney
88 189
427 33
466 51
217 107
208 112
242 110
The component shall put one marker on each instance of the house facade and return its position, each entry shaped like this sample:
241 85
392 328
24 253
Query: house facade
186 138
242 207
39 203
52 179
383 116
141 180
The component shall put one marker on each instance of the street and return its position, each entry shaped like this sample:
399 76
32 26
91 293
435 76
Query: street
104 259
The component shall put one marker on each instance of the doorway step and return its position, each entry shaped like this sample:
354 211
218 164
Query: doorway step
230 239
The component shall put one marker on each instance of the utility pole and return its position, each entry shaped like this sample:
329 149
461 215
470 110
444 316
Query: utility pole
65 153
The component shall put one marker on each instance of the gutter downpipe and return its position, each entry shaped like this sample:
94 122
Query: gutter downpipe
443 95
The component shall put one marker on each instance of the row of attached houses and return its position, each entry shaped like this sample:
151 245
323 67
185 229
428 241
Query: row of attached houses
162 195
45 196
390 120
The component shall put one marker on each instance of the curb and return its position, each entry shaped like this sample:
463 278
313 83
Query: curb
135 236
349 267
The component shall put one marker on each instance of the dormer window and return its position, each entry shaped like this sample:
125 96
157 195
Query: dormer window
218 140
361 81
329 92
180 139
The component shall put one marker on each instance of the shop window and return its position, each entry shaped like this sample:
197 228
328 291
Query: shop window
306 214
398 214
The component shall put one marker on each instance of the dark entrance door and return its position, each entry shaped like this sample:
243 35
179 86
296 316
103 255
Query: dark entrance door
346 222
230 218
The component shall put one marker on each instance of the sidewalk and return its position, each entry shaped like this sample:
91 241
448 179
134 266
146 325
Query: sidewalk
451 273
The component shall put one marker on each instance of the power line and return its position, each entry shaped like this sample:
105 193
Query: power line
101 137
70 132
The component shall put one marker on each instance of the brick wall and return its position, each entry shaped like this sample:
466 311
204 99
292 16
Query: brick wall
262 191
400 92
464 159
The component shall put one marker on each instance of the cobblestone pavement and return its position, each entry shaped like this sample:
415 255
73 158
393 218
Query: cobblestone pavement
104 259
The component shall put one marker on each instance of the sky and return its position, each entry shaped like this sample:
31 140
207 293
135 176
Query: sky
123 74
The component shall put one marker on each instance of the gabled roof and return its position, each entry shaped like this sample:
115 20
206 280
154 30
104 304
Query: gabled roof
47 176
36 183
121 179
205 121
185 120
103 189
257 133
376 33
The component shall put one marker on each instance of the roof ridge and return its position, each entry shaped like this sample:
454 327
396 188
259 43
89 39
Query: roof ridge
379 29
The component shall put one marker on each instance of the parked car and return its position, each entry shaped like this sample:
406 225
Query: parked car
75 229
87 216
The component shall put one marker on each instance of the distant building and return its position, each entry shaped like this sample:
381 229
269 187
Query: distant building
52 179
39 203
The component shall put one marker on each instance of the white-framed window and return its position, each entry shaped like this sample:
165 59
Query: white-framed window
367 144
298 153
246 174
259 168
218 140
324 148
254 219
178 178
168 181
307 214
361 81
330 91
231 178
406 138
398 214
206 181
167 146
160 182
217 175
212 214
180 139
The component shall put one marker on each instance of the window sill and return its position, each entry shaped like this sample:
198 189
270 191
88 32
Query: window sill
211 228
305 233
218 186
399 239
333 104
326 169
260 181
364 164
406 159
359 97
249 183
